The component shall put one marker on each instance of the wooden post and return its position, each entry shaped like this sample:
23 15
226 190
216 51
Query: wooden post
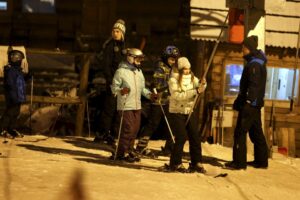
84 74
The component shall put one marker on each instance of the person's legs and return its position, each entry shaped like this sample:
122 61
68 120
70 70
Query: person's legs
259 141
194 141
244 122
9 119
155 116
178 126
107 117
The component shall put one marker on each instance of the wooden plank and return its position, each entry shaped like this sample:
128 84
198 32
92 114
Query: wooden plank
82 95
291 142
50 100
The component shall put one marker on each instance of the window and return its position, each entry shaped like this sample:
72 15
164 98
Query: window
233 76
38 6
279 82
3 5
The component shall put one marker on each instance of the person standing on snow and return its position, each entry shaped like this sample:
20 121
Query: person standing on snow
249 103
14 92
128 85
184 87
161 77
113 54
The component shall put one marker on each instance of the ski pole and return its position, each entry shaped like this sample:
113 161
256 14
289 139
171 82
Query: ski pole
88 117
120 127
207 68
31 98
166 119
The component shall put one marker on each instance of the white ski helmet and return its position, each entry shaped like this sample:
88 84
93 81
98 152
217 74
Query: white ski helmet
134 52
135 56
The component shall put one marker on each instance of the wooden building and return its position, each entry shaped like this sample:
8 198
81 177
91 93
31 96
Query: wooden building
59 31
281 35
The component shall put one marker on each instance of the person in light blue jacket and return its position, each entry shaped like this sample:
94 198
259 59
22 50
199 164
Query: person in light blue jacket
128 85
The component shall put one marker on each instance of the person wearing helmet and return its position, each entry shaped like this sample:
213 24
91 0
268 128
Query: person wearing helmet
113 54
161 77
128 85
14 92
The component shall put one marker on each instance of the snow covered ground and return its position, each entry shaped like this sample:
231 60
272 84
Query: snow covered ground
38 167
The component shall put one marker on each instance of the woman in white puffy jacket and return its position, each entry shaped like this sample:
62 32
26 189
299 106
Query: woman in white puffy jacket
184 87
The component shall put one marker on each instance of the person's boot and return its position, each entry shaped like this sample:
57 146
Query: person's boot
132 156
109 140
258 165
16 133
173 168
5 134
196 168
119 157
234 166
165 152
98 138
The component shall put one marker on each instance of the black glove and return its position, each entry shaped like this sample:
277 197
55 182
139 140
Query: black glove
238 103
153 97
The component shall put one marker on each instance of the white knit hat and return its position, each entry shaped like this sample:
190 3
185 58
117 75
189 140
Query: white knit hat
120 24
183 62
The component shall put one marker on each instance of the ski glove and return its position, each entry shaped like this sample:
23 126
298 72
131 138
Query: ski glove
202 86
124 91
238 103
153 96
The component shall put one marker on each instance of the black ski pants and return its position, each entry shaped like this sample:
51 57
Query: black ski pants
249 120
10 116
108 115
182 133
155 117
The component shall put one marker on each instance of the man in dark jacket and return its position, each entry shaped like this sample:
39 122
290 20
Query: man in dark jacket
113 54
248 104
14 90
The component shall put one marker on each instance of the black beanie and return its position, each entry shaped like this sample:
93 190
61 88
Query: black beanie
251 42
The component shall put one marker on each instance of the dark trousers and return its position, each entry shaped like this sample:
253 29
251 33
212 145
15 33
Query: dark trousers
155 117
153 122
108 115
10 116
182 133
129 130
249 120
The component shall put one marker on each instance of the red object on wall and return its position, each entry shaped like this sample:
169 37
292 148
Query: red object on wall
236 25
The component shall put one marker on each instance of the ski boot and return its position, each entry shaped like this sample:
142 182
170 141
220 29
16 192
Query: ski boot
173 168
145 153
196 168
233 166
16 134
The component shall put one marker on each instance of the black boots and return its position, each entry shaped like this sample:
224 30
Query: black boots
11 134
234 166
130 157
180 168
173 168
196 168
258 165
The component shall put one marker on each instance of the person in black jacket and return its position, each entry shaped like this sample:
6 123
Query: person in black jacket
14 92
161 77
249 103
113 54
